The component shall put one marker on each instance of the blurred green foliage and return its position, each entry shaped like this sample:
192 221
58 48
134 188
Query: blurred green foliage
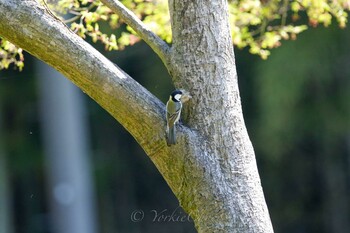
10 54
296 105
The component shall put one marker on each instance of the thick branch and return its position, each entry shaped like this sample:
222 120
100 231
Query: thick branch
30 26
157 44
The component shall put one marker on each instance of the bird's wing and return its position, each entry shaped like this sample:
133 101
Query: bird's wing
173 118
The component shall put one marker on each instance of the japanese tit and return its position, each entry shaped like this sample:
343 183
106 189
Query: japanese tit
173 112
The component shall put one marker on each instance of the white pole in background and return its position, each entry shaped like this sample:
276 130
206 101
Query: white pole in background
65 137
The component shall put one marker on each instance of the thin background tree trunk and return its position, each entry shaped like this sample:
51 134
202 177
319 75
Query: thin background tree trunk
65 137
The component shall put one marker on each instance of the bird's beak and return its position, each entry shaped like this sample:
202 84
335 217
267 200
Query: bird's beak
185 96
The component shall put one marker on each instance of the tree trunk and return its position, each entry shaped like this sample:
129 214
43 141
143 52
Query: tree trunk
231 198
212 170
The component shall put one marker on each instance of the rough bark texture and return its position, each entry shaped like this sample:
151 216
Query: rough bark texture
203 59
212 169
29 25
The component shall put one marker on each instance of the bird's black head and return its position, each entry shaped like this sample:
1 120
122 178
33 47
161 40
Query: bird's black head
176 95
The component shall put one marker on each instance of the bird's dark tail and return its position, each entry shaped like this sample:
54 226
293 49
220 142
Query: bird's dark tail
171 136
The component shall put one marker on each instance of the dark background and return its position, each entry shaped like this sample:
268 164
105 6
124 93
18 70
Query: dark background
297 111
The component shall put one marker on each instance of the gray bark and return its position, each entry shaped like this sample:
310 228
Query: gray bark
203 59
212 170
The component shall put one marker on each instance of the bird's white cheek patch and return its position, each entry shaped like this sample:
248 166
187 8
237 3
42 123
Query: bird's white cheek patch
177 97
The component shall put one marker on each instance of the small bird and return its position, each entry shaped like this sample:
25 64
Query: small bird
173 112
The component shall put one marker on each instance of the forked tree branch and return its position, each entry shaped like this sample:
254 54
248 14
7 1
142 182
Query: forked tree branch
30 26
157 44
